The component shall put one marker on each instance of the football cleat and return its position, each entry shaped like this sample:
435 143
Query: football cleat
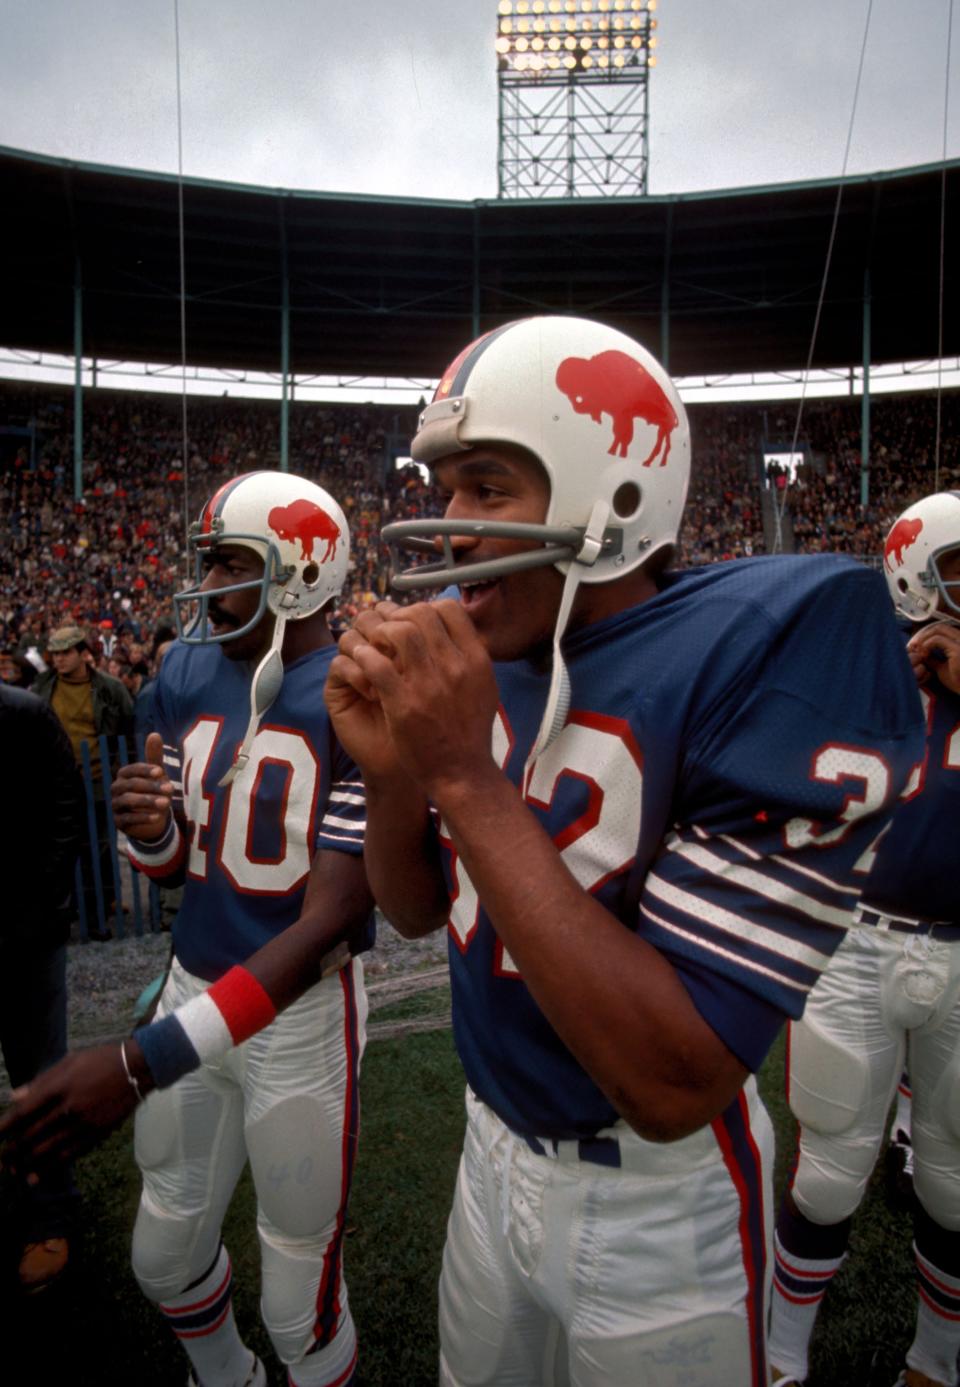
43 1264
257 1376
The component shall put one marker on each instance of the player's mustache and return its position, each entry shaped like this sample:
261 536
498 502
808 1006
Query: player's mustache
219 616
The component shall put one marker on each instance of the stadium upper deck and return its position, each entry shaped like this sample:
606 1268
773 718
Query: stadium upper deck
716 282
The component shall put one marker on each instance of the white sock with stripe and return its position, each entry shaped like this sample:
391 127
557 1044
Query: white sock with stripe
937 1341
202 1319
799 1285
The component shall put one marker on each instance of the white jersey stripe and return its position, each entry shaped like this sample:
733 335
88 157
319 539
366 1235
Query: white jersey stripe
773 890
721 952
697 907
342 838
706 837
759 857
816 876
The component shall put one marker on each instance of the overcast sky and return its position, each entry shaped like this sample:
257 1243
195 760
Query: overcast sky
383 97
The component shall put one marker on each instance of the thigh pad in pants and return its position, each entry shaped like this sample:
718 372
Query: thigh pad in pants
829 1080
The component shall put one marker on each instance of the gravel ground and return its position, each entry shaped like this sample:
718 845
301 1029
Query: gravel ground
104 980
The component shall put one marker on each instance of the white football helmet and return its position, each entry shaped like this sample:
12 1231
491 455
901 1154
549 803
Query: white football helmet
298 530
301 534
605 422
601 416
917 541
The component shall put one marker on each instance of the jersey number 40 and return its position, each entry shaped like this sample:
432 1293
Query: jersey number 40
286 814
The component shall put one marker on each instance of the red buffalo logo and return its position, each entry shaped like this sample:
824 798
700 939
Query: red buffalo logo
613 383
305 522
900 537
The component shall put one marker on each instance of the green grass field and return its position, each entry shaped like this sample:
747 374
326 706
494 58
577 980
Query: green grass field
97 1329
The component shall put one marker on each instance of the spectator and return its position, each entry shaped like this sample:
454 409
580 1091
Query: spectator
16 669
40 847
89 704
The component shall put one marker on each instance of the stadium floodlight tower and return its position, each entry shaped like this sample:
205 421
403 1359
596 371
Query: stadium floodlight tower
573 99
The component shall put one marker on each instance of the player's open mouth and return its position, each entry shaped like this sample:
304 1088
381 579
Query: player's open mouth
473 594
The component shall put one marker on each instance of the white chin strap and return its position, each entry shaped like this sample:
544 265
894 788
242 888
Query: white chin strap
267 678
558 695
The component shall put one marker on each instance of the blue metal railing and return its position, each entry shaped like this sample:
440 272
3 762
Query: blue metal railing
93 888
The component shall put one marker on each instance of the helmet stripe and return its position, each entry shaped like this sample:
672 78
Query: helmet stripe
216 503
455 377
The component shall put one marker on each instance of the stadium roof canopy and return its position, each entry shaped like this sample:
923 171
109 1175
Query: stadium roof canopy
395 286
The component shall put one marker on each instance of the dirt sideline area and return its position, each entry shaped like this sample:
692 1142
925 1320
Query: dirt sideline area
104 981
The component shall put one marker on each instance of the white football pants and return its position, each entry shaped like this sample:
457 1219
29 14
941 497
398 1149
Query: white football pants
886 1000
558 1271
287 1099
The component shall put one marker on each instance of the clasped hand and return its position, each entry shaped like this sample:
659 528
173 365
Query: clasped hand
412 690
935 650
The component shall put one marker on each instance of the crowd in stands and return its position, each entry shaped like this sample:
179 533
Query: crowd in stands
824 501
111 561
722 519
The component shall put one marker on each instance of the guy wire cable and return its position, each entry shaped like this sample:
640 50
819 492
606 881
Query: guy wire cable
183 300
943 229
781 504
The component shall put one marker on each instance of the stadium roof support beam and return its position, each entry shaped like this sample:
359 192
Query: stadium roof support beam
284 344
476 275
865 401
78 381
665 291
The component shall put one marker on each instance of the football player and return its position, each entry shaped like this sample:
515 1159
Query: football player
258 807
891 993
636 798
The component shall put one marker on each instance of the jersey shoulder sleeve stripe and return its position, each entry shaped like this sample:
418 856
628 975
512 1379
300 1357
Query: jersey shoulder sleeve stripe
345 820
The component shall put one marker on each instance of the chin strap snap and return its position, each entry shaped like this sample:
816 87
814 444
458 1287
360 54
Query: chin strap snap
592 545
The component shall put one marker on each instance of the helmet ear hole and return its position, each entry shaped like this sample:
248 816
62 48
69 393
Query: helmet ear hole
902 584
311 573
626 500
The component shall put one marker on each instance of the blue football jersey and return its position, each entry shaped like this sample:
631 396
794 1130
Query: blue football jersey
250 844
915 871
729 753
